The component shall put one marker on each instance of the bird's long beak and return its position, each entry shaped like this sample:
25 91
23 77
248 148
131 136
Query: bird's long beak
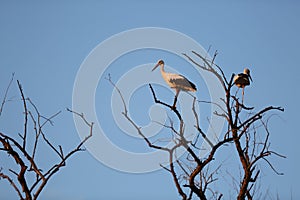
250 77
155 67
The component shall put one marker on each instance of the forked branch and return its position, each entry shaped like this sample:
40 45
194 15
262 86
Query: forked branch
23 151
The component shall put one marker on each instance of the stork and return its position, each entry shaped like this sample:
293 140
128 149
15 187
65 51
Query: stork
175 81
242 80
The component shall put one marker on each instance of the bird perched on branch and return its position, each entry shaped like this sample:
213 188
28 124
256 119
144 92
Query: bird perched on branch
175 81
242 80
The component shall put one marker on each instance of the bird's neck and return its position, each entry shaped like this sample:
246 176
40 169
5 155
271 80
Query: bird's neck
162 68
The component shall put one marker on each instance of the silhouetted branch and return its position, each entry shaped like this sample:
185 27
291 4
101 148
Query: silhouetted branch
25 114
241 105
174 109
118 90
241 134
6 93
2 175
151 145
198 127
28 164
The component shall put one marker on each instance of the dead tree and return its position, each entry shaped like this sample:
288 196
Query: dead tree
242 130
194 175
23 149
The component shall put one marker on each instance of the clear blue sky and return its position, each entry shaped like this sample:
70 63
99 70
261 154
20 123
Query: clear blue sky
45 43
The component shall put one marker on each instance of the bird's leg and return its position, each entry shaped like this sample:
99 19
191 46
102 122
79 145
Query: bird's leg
237 92
175 99
243 92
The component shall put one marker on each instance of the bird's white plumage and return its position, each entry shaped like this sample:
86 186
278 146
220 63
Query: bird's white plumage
175 81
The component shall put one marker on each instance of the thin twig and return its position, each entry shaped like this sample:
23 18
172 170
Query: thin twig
6 93
174 109
25 114
118 90
12 184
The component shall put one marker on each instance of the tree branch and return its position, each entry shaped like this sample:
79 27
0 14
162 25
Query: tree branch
2 175
20 152
25 114
6 93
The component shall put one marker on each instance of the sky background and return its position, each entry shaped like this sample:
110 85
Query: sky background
44 43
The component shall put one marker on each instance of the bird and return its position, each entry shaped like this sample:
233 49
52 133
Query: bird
175 81
242 80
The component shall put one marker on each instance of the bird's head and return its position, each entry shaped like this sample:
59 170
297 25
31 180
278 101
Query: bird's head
160 62
247 71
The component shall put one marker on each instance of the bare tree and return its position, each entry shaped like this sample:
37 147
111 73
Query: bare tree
23 149
247 132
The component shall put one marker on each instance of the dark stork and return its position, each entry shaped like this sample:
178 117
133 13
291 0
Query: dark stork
242 80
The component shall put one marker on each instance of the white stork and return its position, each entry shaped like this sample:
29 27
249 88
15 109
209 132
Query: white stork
175 81
242 80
